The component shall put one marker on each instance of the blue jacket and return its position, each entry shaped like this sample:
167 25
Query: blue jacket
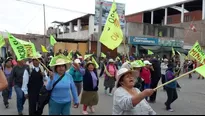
77 74
169 76
61 92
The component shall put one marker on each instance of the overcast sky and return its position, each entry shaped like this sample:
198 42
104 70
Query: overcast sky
20 17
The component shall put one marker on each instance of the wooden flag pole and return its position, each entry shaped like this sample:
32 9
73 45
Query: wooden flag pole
155 89
43 65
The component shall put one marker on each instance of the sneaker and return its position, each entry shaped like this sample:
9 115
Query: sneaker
92 109
85 113
170 110
110 94
7 106
20 113
105 91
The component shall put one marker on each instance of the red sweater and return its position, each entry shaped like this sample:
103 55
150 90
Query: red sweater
146 75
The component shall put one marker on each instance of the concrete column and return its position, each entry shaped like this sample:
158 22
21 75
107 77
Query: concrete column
203 10
165 17
152 17
71 27
182 14
79 25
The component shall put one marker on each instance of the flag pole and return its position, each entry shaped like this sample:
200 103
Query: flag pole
42 64
160 86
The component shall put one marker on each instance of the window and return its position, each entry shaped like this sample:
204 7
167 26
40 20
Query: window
187 18
148 30
169 20
162 31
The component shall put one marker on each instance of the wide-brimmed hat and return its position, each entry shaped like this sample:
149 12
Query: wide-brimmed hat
126 65
121 72
165 60
90 62
136 65
146 62
111 61
37 56
59 60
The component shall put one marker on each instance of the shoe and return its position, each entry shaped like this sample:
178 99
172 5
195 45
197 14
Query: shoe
7 106
92 109
85 113
110 94
105 91
170 110
20 113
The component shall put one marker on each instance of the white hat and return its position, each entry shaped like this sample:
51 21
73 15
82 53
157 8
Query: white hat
166 60
77 61
121 72
126 65
146 62
111 61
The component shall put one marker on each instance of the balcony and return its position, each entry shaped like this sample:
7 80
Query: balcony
77 36
156 31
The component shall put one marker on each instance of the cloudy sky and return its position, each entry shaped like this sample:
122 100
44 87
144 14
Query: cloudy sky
20 17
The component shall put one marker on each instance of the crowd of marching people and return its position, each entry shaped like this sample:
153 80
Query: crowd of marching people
134 83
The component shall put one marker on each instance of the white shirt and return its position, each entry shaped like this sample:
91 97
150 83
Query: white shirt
24 87
122 104
164 67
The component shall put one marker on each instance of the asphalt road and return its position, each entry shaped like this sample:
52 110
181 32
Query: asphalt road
191 101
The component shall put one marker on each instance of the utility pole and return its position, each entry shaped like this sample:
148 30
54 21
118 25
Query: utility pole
99 31
44 16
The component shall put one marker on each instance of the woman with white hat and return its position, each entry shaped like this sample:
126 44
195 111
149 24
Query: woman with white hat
77 72
110 73
60 100
89 96
129 100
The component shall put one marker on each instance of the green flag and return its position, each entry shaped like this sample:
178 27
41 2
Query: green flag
2 41
52 40
201 70
140 63
103 55
150 52
96 64
54 60
17 47
87 56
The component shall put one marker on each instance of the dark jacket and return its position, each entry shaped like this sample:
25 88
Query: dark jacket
88 81
156 74
169 76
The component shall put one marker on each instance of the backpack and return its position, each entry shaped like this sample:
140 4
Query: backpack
44 97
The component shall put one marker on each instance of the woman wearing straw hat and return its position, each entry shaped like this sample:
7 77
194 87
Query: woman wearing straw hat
110 73
60 100
128 100
89 96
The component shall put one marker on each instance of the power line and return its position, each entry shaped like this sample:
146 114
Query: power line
54 7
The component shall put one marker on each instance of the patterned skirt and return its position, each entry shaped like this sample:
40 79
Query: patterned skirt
89 98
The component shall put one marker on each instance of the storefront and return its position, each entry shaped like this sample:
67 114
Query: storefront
140 45
159 46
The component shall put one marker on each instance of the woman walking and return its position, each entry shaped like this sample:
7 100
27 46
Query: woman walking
110 73
89 96
7 71
170 88
129 100
77 71
60 101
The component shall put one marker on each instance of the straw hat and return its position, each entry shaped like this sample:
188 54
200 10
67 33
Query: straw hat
90 62
38 56
111 61
135 65
60 61
121 72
